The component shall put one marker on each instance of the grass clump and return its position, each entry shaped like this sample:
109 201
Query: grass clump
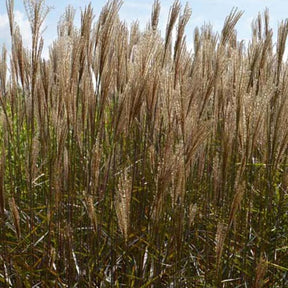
128 161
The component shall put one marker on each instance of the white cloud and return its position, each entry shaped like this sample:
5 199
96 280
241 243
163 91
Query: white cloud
3 20
4 30
24 27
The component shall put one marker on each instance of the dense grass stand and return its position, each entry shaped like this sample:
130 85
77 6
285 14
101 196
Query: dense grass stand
127 160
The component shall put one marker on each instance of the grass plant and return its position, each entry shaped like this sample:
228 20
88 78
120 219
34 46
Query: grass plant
127 160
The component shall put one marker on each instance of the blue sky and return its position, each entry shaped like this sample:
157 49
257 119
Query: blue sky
203 11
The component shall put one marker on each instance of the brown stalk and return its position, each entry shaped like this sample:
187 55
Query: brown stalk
261 270
16 216
91 211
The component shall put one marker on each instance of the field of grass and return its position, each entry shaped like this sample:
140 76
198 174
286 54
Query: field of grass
127 160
